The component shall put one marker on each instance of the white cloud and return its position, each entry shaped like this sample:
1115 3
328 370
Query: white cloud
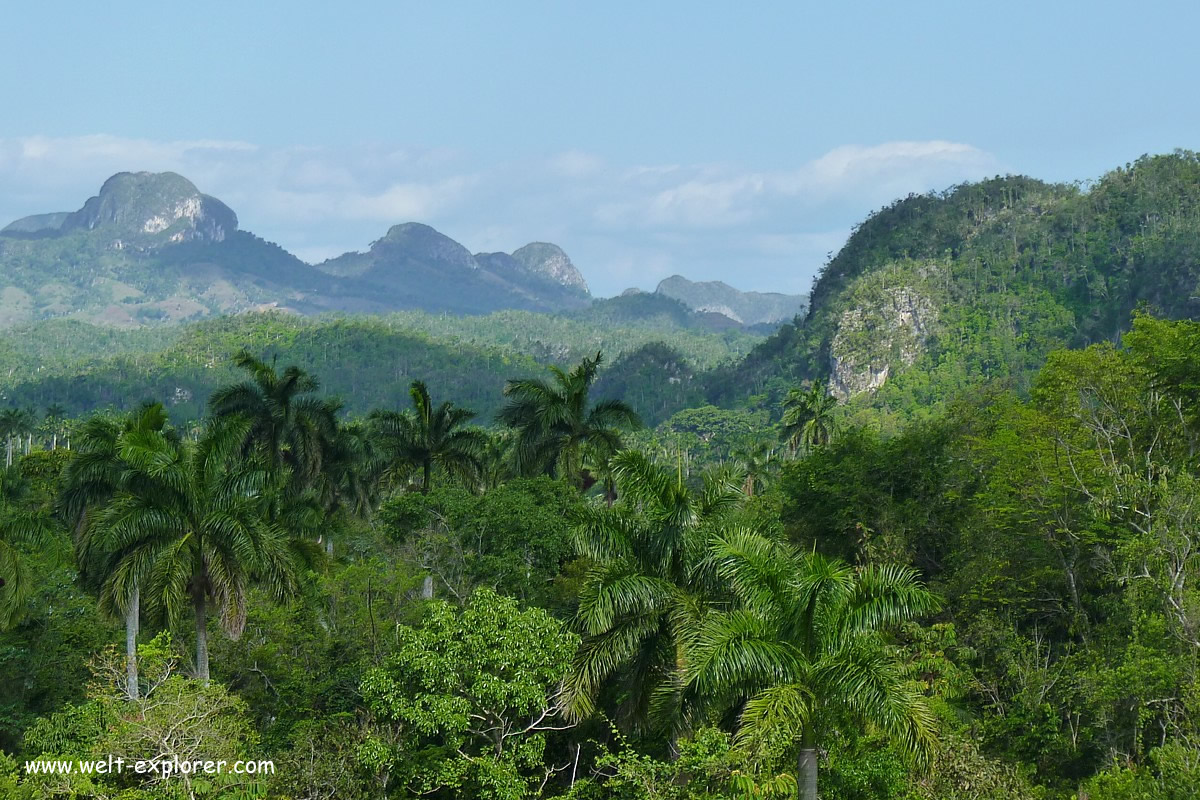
622 224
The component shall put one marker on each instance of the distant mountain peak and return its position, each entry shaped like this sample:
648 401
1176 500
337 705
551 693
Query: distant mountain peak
423 243
549 261
156 206
748 308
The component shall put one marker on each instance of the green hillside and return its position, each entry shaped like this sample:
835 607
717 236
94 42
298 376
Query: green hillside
366 361
938 292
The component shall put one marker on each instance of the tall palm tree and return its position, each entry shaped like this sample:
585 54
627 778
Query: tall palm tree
350 480
348 486
558 431
29 424
53 422
808 418
19 524
15 423
758 461
195 524
426 437
805 648
496 459
645 591
289 425
90 480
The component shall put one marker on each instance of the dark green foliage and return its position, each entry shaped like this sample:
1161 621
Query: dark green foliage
515 538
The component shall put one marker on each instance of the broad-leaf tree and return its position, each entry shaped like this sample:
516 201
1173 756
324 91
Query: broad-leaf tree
463 706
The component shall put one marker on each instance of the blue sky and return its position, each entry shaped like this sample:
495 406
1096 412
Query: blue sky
720 141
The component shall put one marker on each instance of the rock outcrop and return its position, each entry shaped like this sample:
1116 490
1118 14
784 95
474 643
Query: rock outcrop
883 334
149 208
550 262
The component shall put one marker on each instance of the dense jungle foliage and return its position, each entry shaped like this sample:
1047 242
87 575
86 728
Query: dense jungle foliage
1000 601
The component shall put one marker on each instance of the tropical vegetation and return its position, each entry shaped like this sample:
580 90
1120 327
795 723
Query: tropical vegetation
958 564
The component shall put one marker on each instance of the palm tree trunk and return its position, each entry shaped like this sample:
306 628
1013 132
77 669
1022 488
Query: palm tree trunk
427 477
807 767
8 451
201 638
132 619
54 441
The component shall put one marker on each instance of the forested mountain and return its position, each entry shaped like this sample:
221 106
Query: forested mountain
937 292
367 361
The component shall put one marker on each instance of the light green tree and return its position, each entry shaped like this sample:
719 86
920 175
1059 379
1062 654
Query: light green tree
804 649
645 591
463 706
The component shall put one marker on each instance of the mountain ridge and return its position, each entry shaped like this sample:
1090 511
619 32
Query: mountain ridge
746 308
151 248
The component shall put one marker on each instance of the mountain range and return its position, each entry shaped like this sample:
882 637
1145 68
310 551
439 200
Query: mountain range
150 247
930 298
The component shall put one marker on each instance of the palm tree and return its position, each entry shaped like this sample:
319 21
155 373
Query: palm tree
808 418
90 480
644 592
348 486
28 427
350 480
496 459
194 523
19 525
557 432
288 425
805 648
426 437
53 422
14 424
757 461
